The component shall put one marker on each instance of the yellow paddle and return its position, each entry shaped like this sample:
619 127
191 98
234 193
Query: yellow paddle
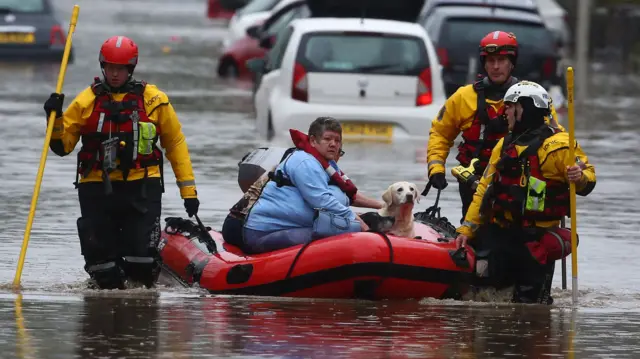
45 148
572 189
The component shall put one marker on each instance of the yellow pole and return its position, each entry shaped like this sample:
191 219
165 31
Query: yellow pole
572 189
45 148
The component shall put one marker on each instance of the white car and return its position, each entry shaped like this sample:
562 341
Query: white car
380 78
255 12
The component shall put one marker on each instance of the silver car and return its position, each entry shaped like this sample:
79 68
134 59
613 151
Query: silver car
29 31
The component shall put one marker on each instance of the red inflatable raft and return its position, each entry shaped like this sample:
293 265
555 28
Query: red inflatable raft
365 265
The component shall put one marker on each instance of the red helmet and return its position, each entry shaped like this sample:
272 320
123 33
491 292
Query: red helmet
499 43
119 50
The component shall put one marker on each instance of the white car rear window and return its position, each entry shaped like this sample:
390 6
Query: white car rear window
360 52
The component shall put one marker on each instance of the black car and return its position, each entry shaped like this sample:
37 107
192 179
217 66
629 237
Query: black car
29 31
456 32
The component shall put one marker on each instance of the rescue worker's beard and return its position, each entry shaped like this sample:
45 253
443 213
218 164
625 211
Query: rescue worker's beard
532 117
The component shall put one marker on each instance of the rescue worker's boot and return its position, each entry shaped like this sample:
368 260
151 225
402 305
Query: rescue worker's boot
536 289
143 270
106 275
99 258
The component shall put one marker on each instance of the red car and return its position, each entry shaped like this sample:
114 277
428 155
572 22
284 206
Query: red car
232 63
215 10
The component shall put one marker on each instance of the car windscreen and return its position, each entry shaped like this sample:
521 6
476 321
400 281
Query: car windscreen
467 33
22 5
258 6
363 52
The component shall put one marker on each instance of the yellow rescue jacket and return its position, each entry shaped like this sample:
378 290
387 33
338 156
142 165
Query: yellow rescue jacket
456 116
553 155
66 134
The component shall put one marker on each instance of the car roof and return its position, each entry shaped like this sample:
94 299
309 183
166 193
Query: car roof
357 24
489 13
530 5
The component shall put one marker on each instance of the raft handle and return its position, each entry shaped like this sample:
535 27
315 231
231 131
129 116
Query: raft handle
459 257
178 225
211 244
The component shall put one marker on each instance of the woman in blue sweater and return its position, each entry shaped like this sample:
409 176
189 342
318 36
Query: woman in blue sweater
308 179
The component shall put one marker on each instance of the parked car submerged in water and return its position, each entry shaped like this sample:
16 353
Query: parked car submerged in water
30 31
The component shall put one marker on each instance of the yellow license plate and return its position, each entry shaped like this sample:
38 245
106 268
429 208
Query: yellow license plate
17 38
364 129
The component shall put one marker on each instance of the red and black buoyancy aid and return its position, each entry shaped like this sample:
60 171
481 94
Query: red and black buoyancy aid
487 128
511 185
116 121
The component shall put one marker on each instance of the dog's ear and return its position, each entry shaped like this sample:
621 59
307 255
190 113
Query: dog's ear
387 197
416 194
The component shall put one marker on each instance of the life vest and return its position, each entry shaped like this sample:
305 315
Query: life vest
126 126
487 128
520 187
336 177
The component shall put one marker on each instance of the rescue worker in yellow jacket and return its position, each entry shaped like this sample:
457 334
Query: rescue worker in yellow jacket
477 111
119 175
522 196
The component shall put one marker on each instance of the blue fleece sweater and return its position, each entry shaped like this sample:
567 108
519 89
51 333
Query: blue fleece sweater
289 207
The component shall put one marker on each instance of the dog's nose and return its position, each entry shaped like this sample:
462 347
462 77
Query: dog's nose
409 197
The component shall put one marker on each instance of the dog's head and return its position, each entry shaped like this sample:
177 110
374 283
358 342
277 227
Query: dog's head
401 193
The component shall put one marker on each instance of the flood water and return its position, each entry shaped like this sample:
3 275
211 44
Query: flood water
57 317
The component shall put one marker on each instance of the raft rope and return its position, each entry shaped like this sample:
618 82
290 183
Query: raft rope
304 246
295 260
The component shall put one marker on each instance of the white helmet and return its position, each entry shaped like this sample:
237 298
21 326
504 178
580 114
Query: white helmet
530 89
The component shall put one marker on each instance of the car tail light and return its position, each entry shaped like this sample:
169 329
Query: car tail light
299 85
443 56
56 37
424 95
548 68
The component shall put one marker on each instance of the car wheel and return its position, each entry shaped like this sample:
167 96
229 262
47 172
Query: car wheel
228 69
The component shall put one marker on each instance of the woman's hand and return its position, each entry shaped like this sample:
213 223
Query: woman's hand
363 201
363 225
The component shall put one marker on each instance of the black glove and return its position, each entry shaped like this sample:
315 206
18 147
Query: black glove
191 205
54 102
438 181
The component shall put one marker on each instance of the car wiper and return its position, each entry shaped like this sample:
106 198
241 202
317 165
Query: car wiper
378 67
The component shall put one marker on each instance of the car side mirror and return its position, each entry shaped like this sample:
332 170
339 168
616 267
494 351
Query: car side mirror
253 31
267 42
257 65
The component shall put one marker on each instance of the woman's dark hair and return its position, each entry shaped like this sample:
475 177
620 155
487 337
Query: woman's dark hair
322 125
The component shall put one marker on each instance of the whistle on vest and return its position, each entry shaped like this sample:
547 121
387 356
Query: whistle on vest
466 174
